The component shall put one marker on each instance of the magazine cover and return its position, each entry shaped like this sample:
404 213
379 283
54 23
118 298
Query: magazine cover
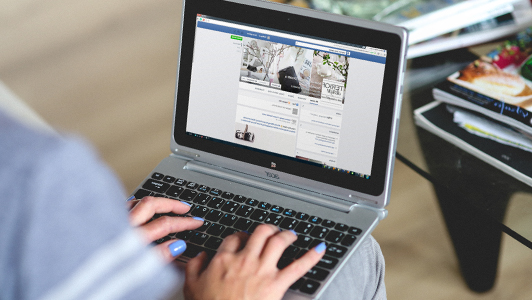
498 85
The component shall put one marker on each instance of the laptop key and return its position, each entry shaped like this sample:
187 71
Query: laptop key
315 220
174 191
157 176
203 189
303 241
228 195
251 202
354 230
180 182
335 251
319 232
215 192
309 286
302 216
213 242
184 235
243 224
244 211
317 274
216 229
228 219
277 209
335 236
141 193
199 211
214 215
328 223
349 240
264 205
327 262
274 219
289 213
202 199
240 198
216 202
155 186
288 223
259 215
304 228
188 195
192 185
230 206
199 238
168 179
341 227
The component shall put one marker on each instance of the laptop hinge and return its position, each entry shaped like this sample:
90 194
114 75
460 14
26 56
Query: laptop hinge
278 188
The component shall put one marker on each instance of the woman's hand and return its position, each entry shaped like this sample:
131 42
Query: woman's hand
245 267
143 210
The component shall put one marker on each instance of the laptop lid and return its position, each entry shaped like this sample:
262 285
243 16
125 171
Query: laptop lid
298 98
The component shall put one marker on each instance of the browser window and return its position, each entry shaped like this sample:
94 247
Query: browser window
286 94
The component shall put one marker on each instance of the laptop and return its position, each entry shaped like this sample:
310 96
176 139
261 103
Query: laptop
286 116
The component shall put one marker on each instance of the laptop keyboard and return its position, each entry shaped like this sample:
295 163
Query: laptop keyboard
226 213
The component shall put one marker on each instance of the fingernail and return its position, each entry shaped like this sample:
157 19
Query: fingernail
131 198
321 247
198 218
292 231
177 247
186 203
246 232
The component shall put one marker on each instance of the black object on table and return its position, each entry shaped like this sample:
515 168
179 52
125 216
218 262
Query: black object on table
473 195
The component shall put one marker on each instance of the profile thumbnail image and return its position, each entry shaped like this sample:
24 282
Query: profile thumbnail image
245 135
330 70
282 66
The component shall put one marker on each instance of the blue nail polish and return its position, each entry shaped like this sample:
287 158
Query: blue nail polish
186 203
131 198
292 231
177 247
321 247
198 218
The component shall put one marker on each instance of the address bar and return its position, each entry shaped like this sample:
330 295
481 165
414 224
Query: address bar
321 48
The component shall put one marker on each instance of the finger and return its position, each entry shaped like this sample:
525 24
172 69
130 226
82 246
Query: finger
131 203
171 249
300 267
148 206
195 267
258 239
234 242
165 225
276 245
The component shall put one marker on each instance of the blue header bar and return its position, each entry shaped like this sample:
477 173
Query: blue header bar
286 41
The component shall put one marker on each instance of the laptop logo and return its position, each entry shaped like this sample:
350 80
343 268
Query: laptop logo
272 175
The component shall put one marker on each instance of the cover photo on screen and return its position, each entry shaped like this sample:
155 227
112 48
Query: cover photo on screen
294 69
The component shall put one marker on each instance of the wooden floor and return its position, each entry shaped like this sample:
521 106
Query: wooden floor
105 69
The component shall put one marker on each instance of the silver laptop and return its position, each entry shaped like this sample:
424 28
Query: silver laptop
285 116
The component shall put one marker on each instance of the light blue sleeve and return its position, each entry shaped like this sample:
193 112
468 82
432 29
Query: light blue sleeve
64 231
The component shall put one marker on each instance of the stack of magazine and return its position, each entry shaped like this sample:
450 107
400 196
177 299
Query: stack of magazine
440 25
486 108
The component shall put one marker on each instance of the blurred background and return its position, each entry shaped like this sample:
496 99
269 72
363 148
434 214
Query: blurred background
105 70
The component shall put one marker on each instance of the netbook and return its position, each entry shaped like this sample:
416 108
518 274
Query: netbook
286 116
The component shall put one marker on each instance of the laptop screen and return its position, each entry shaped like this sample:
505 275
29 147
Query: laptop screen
304 103
285 94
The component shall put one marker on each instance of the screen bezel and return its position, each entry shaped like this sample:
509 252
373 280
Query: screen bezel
307 26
